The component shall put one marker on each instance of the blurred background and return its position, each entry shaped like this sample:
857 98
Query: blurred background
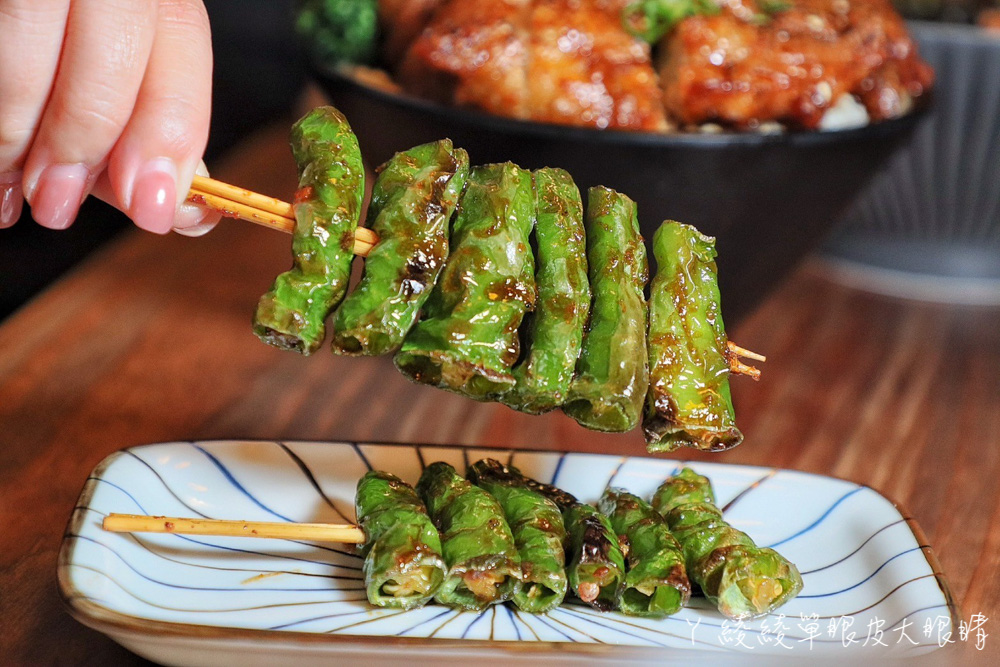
889 237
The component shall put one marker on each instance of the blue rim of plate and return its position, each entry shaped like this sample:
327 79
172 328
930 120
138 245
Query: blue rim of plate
105 620
480 120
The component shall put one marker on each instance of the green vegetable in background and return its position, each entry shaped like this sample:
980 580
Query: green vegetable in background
403 563
688 401
467 341
483 564
741 579
612 373
336 31
650 20
537 526
555 329
413 199
656 583
327 207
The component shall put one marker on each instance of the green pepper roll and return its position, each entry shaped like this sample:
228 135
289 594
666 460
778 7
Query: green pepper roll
483 564
555 330
741 579
612 374
467 341
688 402
685 487
656 584
537 526
596 568
403 563
412 202
327 206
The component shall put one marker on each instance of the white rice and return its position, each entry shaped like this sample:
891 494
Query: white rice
846 114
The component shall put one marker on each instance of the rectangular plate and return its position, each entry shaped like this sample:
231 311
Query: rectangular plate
868 576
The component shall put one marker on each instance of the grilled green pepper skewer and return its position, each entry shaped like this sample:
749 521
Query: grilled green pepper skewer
656 584
483 564
612 374
595 567
537 526
467 341
412 202
555 329
403 563
688 402
741 579
327 207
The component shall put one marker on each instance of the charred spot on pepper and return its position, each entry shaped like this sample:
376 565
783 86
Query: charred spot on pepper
596 545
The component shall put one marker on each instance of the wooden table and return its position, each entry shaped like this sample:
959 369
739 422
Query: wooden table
150 341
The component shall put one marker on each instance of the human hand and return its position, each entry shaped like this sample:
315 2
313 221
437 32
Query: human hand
104 97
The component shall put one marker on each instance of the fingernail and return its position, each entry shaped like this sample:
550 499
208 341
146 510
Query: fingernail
11 199
57 196
153 203
194 220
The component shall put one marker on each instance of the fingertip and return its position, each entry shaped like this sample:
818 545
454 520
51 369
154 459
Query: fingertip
11 199
57 194
195 221
152 204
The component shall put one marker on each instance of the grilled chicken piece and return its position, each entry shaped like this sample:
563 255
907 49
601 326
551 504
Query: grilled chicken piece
559 61
791 68
472 54
585 69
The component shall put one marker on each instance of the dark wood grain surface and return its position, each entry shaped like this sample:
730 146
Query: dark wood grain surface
150 341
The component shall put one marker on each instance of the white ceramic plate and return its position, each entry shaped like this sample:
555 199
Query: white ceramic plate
871 586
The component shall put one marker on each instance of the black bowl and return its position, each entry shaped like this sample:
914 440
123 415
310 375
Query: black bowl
928 226
767 198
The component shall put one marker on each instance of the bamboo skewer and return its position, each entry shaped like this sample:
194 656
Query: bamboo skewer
311 532
248 197
237 202
743 352
736 365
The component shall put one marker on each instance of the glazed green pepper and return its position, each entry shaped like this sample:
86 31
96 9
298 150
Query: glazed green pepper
403 563
741 579
412 202
681 489
467 341
338 31
656 583
537 526
327 207
612 374
688 402
596 568
483 564
555 330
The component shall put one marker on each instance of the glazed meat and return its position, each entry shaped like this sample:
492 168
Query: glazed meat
560 61
742 67
401 21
